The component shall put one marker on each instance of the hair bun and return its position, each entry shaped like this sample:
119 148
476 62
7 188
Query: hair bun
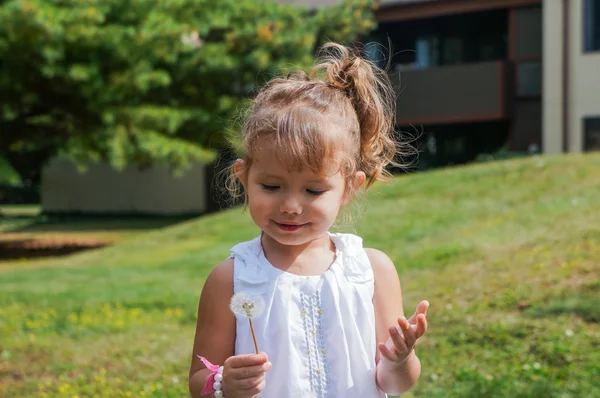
343 69
372 96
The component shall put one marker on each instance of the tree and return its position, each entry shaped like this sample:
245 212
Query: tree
145 81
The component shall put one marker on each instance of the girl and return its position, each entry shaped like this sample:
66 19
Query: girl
333 324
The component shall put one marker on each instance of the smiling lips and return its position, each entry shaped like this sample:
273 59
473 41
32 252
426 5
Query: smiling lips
289 227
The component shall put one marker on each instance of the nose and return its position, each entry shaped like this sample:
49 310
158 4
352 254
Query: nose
290 205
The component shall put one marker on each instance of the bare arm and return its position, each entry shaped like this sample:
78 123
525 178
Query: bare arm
215 329
398 367
243 375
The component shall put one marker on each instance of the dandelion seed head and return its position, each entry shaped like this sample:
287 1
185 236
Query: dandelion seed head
245 306
569 333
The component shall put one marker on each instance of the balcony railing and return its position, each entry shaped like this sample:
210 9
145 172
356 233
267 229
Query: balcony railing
455 94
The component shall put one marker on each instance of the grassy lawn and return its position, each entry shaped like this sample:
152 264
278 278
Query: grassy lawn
14 217
19 210
507 253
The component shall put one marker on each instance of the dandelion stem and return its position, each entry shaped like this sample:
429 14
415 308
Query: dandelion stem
253 335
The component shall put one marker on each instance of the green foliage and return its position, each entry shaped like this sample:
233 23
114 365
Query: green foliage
8 175
146 81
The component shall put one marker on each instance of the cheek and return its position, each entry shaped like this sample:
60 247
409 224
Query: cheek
258 201
328 208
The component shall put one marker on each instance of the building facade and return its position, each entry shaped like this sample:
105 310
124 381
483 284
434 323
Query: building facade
571 96
476 76
103 190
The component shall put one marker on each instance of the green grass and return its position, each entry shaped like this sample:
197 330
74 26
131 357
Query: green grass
20 210
506 252
15 217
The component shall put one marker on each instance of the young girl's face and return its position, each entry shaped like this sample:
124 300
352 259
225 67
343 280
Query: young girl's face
293 207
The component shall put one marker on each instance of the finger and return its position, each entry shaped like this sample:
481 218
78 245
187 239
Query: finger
397 339
421 326
249 384
257 390
242 361
422 308
245 387
250 371
408 332
387 353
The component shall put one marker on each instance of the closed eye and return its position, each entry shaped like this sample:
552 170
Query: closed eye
314 192
270 187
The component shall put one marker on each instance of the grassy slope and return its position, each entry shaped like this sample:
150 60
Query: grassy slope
507 254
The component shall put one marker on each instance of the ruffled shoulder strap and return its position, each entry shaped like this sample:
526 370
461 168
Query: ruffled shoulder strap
357 267
249 275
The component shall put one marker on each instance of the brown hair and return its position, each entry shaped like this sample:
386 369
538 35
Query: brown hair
346 109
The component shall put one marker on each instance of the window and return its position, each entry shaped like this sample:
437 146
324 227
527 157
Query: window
431 51
490 47
427 52
528 29
591 132
374 52
452 51
527 51
591 25
529 83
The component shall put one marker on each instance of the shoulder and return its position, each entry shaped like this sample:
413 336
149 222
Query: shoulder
222 272
217 292
383 267
220 280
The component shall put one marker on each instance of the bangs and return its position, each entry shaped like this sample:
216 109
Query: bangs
301 137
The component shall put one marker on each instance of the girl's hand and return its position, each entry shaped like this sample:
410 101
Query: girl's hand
244 375
401 343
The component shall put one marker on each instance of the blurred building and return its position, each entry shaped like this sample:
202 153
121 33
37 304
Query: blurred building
477 75
102 190
480 74
571 76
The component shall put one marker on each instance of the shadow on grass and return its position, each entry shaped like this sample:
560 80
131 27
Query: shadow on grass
582 304
29 234
31 248
68 223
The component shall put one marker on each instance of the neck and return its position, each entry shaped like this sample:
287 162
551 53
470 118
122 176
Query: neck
286 257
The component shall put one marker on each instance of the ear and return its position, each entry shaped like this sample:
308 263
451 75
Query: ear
357 182
239 168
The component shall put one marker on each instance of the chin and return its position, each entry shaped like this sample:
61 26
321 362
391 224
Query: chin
288 240
293 239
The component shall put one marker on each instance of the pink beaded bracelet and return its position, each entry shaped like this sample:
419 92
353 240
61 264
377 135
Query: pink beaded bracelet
213 383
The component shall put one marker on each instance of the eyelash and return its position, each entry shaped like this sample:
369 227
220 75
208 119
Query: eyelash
272 188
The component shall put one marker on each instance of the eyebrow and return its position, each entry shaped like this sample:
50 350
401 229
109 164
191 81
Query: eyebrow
267 175
276 177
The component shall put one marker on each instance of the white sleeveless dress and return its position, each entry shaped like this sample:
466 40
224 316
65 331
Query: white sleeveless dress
318 331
